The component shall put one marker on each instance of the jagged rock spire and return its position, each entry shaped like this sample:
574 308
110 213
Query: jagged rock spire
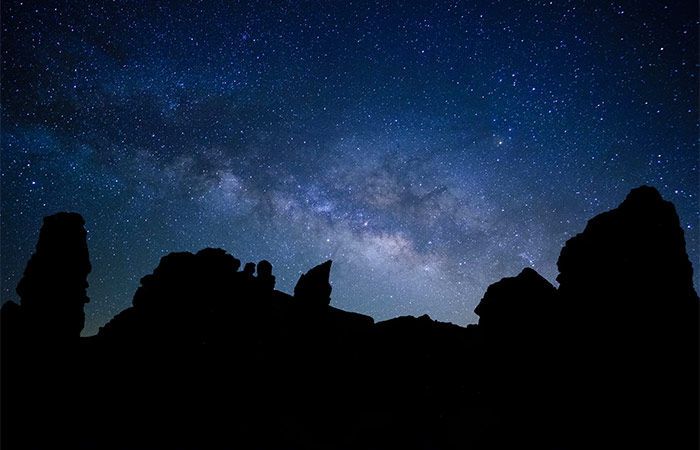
313 287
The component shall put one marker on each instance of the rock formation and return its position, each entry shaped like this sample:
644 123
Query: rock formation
630 316
183 299
249 269
41 338
635 254
265 277
516 319
516 333
212 357
53 289
513 305
313 288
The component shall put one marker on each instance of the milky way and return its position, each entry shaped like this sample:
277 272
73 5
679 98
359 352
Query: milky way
428 150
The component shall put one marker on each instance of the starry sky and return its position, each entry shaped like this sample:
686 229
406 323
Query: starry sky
428 148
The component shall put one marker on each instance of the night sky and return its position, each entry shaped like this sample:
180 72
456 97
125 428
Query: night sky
428 149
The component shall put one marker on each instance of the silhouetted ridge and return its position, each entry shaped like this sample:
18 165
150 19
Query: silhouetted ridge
213 357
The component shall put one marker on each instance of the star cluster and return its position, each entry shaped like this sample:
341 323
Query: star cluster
428 148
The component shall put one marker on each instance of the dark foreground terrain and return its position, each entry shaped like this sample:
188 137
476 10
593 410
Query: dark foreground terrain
213 357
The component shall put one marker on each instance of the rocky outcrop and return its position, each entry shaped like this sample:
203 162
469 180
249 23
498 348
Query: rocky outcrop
40 340
630 318
53 290
516 320
516 336
513 305
313 288
635 254
186 299
265 278
614 350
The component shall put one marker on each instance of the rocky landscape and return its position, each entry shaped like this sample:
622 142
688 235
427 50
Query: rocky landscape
211 356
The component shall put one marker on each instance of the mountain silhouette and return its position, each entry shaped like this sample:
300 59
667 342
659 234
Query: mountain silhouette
213 357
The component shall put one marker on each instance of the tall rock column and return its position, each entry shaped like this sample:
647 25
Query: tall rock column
53 291
632 321
43 372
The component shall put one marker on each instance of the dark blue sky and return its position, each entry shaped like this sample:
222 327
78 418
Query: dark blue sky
428 148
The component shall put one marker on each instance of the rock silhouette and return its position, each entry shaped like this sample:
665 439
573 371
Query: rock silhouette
53 289
249 269
631 267
212 357
41 339
265 277
313 287
516 328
